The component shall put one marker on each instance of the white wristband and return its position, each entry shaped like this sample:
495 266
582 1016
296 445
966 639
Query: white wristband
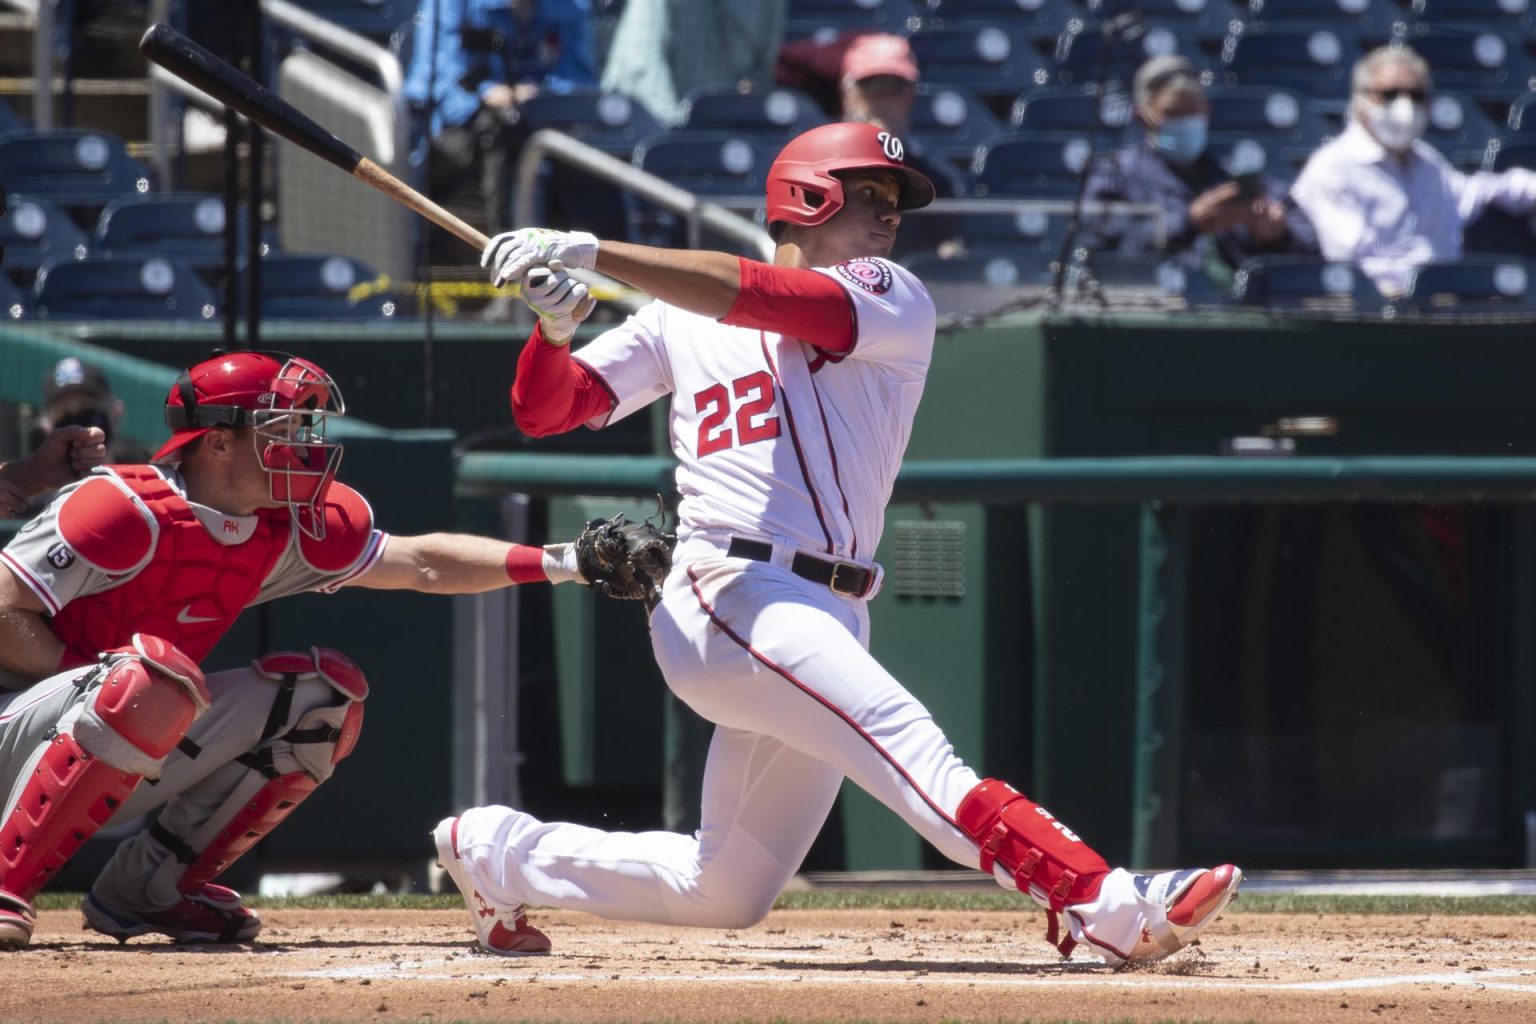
560 564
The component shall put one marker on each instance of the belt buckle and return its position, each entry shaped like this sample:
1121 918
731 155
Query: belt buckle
837 586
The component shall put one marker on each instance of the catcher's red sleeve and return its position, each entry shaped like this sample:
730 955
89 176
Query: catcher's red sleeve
800 303
553 393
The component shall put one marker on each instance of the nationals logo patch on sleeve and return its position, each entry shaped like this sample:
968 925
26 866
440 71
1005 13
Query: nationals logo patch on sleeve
874 276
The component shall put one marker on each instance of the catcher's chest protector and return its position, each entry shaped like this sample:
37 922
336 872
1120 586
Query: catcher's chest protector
192 589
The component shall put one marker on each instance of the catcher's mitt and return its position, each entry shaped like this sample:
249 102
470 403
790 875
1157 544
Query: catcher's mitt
624 559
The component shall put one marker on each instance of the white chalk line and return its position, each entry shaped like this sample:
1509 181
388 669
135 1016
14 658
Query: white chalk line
425 970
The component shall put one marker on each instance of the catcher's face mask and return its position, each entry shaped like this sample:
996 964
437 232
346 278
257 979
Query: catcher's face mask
289 434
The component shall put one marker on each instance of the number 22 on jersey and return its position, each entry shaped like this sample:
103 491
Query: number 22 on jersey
754 394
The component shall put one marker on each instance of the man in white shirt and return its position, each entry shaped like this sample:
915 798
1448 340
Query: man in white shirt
1382 197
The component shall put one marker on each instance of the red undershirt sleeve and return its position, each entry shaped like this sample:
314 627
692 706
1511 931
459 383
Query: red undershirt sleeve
553 393
800 303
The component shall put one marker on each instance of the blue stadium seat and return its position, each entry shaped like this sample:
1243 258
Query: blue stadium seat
981 279
37 231
1278 115
989 60
1084 56
375 19
720 165
10 124
1208 20
1497 232
73 168
1032 164
1481 65
1377 19
320 286
1312 60
948 123
707 163
777 113
14 303
186 225
1025 231
612 122
1304 282
1458 128
122 288
1503 16
805 18
1127 275
989 266
1072 108
1483 283
1031 16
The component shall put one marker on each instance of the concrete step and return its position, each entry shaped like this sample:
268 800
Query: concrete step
116 105
15 43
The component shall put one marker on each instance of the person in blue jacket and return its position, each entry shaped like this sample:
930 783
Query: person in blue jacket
473 64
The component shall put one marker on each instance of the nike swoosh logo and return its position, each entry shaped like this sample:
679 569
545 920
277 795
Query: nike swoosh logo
186 618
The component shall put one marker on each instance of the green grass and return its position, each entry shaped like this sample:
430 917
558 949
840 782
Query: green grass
980 900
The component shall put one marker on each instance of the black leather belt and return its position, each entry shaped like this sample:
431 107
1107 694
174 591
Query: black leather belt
847 578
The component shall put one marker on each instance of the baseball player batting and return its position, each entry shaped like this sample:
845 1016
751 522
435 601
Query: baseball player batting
793 387
113 595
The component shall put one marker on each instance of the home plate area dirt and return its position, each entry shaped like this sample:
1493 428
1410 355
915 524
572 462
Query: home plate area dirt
386 965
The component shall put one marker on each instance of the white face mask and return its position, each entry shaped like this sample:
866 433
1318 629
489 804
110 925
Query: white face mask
1395 125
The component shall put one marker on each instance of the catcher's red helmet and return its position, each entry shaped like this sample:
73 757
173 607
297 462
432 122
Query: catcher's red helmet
287 403
803 187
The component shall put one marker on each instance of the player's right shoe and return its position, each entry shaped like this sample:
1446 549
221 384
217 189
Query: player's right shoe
1139 919
504 931
17 918
211 914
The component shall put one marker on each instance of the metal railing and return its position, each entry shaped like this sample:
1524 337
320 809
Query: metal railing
698 214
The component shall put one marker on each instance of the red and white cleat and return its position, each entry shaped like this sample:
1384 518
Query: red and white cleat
213 913
17 919
504 931
1144 918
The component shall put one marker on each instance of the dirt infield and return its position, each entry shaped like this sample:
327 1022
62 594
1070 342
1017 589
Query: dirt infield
382 965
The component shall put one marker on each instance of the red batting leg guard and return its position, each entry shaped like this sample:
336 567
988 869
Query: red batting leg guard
1037 850
139 711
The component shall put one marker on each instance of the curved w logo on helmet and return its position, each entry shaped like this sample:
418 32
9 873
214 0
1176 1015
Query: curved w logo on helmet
892 146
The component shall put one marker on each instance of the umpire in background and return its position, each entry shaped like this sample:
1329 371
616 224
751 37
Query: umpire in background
1214 217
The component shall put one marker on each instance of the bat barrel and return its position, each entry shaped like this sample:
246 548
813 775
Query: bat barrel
192 63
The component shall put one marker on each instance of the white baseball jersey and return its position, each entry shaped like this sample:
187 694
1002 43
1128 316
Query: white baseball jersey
772 436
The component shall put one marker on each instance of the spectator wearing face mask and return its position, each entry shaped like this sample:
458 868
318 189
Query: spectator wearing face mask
76 394
1213 218
1384 198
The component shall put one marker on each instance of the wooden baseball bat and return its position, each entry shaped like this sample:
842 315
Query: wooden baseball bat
192 63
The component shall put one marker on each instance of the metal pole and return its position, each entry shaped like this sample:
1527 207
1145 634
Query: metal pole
255 66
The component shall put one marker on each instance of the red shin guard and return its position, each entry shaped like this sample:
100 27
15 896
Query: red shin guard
1028 841
69 796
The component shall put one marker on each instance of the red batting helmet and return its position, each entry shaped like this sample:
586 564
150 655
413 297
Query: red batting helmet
803 187
287 403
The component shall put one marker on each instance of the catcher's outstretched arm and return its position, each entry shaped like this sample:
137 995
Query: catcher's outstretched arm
460 563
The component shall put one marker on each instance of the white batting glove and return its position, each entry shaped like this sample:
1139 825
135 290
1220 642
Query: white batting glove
561 301
510 254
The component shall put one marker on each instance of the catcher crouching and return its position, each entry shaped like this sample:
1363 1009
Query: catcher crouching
111 598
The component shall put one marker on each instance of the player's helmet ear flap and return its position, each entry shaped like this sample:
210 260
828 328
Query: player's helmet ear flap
803 187
286 401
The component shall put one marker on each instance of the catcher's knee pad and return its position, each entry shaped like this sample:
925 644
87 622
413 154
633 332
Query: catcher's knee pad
146 698
286 768
142 700
1037 851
